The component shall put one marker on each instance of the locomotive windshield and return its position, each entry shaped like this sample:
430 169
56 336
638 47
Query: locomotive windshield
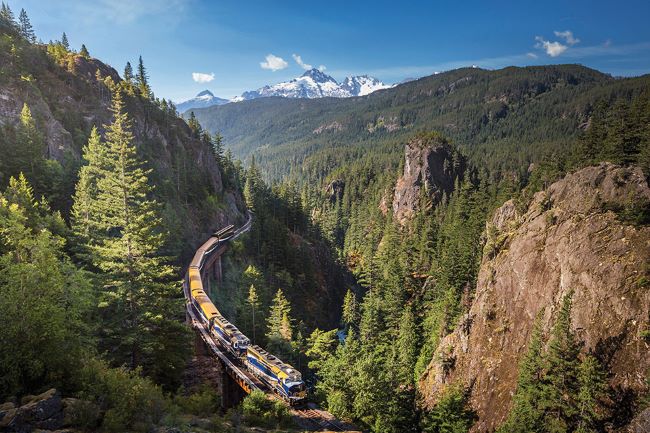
300 387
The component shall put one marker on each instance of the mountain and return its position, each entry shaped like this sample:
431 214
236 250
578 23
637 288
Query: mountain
316 84
362 85
505 119
202 100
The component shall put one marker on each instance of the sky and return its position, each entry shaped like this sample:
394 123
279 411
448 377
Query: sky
229 47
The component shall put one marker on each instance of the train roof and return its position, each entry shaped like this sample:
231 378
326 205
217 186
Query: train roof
275 361
206 305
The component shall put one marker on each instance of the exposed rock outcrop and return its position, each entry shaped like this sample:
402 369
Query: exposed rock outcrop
431 166
573 236
43 412
335 190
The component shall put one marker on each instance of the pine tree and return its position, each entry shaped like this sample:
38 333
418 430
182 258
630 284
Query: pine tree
142 80
350 310
253 303
592 389
217 148
30 145
83 52
406 348
64 42
123 230
128 73
561 380
280 328
194 125
279 315
86 190
26 29
527 413
7 17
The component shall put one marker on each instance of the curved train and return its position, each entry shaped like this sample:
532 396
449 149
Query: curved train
282 378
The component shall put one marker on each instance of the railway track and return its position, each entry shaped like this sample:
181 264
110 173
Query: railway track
315 419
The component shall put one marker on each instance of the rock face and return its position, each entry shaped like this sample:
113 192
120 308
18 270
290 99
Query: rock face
431 167
335 190
44 411
567 239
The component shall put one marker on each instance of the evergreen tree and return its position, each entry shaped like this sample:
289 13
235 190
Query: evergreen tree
350 313
592 389
561 382
26 29
64 42
280 328
253 303
128 73
86 190
30 144
406 348
7 17
527 413
138 303
194 125
142 80
84 52
279 315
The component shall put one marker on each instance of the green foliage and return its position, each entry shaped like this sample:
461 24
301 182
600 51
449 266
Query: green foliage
120 225
44 298
204 403
558 390
84 52
450 415
129 401
259 410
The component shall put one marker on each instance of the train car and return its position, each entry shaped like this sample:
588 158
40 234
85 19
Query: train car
285 380
236 342
224 232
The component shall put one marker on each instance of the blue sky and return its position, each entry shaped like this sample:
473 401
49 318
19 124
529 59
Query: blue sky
224 46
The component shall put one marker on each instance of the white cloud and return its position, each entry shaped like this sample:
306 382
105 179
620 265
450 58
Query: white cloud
532 55
302 64
322 68
568 37
201 77
553 49
274 63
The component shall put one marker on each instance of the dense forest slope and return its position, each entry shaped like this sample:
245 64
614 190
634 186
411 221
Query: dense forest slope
502 119
67 94
578 236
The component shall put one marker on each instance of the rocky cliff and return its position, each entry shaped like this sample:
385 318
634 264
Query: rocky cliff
577 235
431 166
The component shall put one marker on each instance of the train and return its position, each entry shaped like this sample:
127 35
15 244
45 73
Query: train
282 378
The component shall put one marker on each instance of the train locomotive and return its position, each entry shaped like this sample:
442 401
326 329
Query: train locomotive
285 381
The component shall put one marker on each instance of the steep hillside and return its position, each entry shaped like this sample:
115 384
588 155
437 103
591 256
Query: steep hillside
578 235
503 119
67 95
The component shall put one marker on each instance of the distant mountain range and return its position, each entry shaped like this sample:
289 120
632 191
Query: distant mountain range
202 100
312 84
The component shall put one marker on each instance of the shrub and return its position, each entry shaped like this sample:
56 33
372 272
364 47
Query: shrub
258 410
204 403
130 401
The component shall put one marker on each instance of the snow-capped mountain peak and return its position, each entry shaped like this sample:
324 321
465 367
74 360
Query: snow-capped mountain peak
314 83
362 85
203 99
